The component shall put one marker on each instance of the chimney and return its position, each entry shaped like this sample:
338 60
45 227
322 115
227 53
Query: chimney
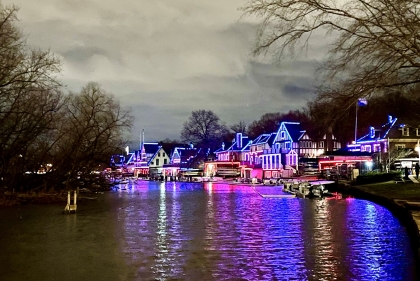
239 140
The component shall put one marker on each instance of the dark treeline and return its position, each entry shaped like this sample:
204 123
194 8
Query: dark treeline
205 129
42 128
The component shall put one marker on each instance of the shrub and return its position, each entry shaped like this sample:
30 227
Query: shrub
373 177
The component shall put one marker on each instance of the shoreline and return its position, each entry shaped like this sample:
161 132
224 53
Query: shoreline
40 198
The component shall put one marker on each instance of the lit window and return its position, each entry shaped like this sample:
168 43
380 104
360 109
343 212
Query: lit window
417 132
405 131
400 146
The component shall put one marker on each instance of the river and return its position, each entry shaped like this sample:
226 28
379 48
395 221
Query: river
184 231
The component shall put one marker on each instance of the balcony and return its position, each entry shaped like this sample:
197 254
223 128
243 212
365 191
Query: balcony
276 150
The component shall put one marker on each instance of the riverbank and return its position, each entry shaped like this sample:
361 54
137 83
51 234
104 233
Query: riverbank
18 198
402 199
25 198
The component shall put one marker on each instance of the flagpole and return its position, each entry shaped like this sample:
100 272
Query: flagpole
389 157
355 124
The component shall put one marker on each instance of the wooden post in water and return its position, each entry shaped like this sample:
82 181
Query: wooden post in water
71 209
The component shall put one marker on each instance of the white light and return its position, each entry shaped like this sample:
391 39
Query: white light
320 152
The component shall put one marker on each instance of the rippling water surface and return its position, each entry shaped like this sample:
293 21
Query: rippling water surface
182 231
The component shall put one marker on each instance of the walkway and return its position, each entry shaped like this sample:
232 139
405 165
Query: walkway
413 179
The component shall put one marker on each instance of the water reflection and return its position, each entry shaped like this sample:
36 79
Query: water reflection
223 232
182 231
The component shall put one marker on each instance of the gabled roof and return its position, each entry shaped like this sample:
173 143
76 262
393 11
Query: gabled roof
272 138
236 146
294 129
261 139
396 133
381 133
154 155
186 154
151 147
223 147
170 147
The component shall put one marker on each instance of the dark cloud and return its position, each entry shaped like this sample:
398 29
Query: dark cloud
164 59
82 54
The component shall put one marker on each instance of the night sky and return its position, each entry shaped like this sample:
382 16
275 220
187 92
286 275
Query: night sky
166 58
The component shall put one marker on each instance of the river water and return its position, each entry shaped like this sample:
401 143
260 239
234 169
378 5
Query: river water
184 231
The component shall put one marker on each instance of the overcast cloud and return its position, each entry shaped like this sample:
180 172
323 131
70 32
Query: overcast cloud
166 58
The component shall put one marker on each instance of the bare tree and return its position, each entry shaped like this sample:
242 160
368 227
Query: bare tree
29 96
376 44
270 122
239 128
204 128
39 125
93 128
394 154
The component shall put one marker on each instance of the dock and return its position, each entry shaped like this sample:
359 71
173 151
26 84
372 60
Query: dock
272 192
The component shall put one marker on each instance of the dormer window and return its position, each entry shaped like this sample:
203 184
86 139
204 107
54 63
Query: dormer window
282 135
405 131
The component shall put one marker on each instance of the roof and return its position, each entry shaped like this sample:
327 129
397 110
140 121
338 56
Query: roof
223 147
294 129
186 155
151 147
395 132
237 147
154 154
382 133
261 139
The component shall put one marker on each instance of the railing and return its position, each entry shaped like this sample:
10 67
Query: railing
276 150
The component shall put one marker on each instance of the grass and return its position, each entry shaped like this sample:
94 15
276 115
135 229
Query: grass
406 191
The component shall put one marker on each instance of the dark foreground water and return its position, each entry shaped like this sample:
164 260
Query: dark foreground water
182 231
